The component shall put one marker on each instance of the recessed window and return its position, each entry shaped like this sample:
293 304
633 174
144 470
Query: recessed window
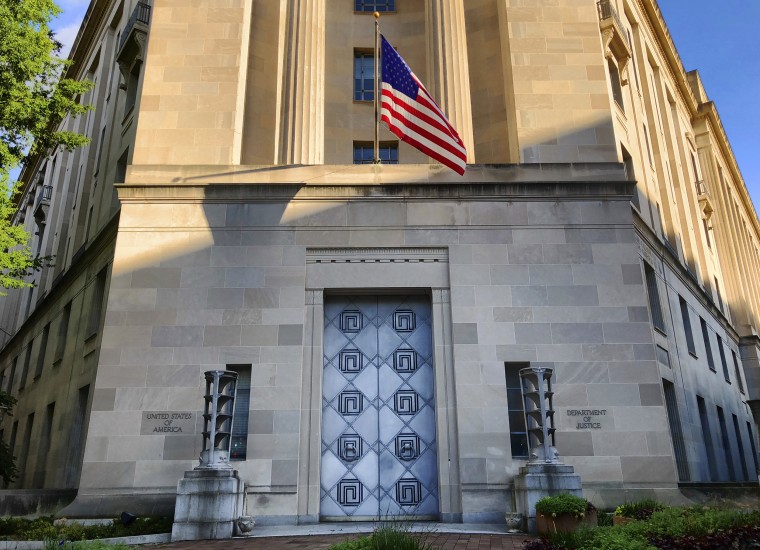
518 435
364 75
654 298
367 6
708 347
364 152
687 326
737 372
723 359
676 435
617 90
707 437
239 436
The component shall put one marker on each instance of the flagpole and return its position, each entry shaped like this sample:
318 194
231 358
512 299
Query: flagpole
376 94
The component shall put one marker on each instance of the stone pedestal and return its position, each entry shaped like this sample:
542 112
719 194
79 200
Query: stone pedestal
208 504
537 480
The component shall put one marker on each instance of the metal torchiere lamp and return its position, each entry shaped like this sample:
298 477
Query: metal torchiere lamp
539 413
217 418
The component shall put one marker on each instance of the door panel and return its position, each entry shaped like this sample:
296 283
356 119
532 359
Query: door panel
378 409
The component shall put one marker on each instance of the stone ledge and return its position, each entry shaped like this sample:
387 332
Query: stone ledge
356 174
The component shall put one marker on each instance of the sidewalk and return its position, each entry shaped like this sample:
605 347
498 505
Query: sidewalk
444 536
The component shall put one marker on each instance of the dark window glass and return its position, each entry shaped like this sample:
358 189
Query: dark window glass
674 421
617 90
377 5
737 372
96 303
723 360
518 436
654 298
239 437
742 459
707 437
708 347
364 76
726 445
752 446
687 326
364 152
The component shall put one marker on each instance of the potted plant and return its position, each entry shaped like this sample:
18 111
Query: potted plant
564 513
632 511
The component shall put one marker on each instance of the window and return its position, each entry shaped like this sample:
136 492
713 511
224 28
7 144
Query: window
742 459
518 435
663 358
726 445
12 375
76 440
133 80
372 6
38 481
24 455
687 326
25 367
96 303
364 152
706 229
674 421
617 90
239 437
717 293
364 75
752 447
737 372
723 359
41 352
654 298
707 437
646 140
63 332
708 347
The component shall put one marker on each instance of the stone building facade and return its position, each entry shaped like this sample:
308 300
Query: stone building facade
377 315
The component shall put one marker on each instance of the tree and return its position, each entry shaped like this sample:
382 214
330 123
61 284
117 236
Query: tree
34 100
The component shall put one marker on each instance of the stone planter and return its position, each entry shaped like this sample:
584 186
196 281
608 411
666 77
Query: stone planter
564 523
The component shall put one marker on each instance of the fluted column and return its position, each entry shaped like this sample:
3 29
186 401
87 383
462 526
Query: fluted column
449 72
302 121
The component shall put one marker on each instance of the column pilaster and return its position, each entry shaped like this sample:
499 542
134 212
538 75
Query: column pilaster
448 68
302 124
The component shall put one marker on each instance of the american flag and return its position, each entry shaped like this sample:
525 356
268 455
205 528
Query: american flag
410 113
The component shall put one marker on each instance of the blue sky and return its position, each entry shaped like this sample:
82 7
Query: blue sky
720 39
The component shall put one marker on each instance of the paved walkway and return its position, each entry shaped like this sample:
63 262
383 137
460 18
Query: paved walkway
321 536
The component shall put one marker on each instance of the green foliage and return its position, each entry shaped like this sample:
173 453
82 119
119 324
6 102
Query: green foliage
673 528
642 509
52 544
563 503
388 536
34 99
46 529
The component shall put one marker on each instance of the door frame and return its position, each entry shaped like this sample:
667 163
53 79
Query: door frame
388 277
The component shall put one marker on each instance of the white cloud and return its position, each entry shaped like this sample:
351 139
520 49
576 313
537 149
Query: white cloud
66 36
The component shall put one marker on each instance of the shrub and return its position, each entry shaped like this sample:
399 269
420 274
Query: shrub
44 529
564 504
392 536
642 509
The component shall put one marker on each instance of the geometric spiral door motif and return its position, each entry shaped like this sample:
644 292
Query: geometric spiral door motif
378 409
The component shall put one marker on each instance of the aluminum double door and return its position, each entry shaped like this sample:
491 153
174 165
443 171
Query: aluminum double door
378 409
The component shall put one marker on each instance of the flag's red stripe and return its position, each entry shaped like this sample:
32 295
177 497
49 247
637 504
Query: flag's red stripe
459 168
438 123
442 141
447 146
